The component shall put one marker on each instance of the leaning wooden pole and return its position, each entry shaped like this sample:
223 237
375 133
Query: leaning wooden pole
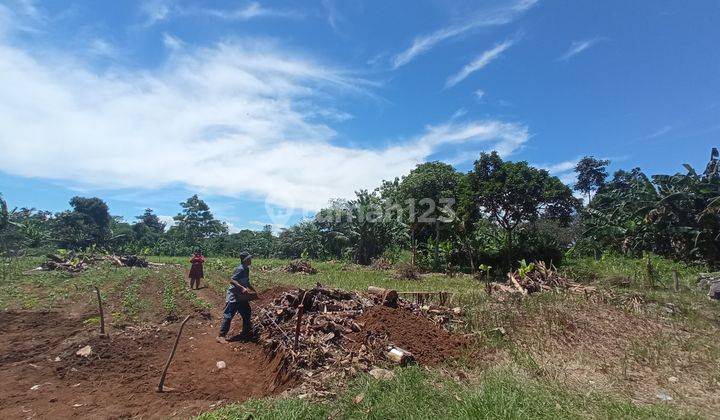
102 313
172 354
301 311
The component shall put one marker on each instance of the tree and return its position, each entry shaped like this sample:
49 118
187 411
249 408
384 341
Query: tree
591 175
615 217
196 222
10 238
358 228
370 232
88 223
511 193
426 190
304 238
4 214
151 220
148 230
675 216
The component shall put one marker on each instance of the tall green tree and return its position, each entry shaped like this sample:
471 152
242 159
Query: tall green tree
196 222
304 238
151 220
430 192
512 193
591 175
148 230
88 223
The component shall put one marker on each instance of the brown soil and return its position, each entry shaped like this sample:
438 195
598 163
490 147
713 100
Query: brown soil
119 379
43 377
427 341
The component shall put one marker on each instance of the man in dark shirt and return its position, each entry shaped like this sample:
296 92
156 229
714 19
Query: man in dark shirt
238 299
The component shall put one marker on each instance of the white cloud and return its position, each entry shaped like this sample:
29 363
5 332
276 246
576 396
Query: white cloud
230 120
333 15
555 168
276 228
172 42
479 94
20 16
155 11
579 46
168 220
661 132
494 17
478 63
564 170
100 48
250 11
461 112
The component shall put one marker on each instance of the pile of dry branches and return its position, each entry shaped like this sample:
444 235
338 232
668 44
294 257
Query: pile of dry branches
78 262
300 266
71 263
541 278
318 333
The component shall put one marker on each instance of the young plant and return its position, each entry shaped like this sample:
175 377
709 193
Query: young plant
525 268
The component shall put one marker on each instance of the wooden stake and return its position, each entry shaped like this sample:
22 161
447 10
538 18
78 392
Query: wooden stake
102 314
301 310
160 387
676 280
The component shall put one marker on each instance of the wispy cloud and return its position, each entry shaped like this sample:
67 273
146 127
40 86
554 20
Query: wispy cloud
579 46
101 48
155 11
659 133
172 42
479 94
556 168
250 11
654 135
20 16
243 118
333 14
478 63
493 17
564 170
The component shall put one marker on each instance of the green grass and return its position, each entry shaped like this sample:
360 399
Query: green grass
168 295
267 272
415 393
131 302
612 266
515 380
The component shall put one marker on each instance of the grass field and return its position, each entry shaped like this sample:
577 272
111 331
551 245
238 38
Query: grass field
615 353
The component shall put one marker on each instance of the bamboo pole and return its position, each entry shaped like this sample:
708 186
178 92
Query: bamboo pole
161 385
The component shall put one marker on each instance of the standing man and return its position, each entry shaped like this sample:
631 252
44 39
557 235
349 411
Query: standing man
239 295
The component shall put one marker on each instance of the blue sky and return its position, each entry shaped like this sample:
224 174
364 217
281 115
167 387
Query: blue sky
270 109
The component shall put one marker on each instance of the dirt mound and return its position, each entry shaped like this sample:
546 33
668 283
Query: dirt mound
25 335
342 332
425 339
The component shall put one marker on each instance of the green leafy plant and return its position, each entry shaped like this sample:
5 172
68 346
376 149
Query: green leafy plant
525 268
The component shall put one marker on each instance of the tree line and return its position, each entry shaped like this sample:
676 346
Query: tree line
496 214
